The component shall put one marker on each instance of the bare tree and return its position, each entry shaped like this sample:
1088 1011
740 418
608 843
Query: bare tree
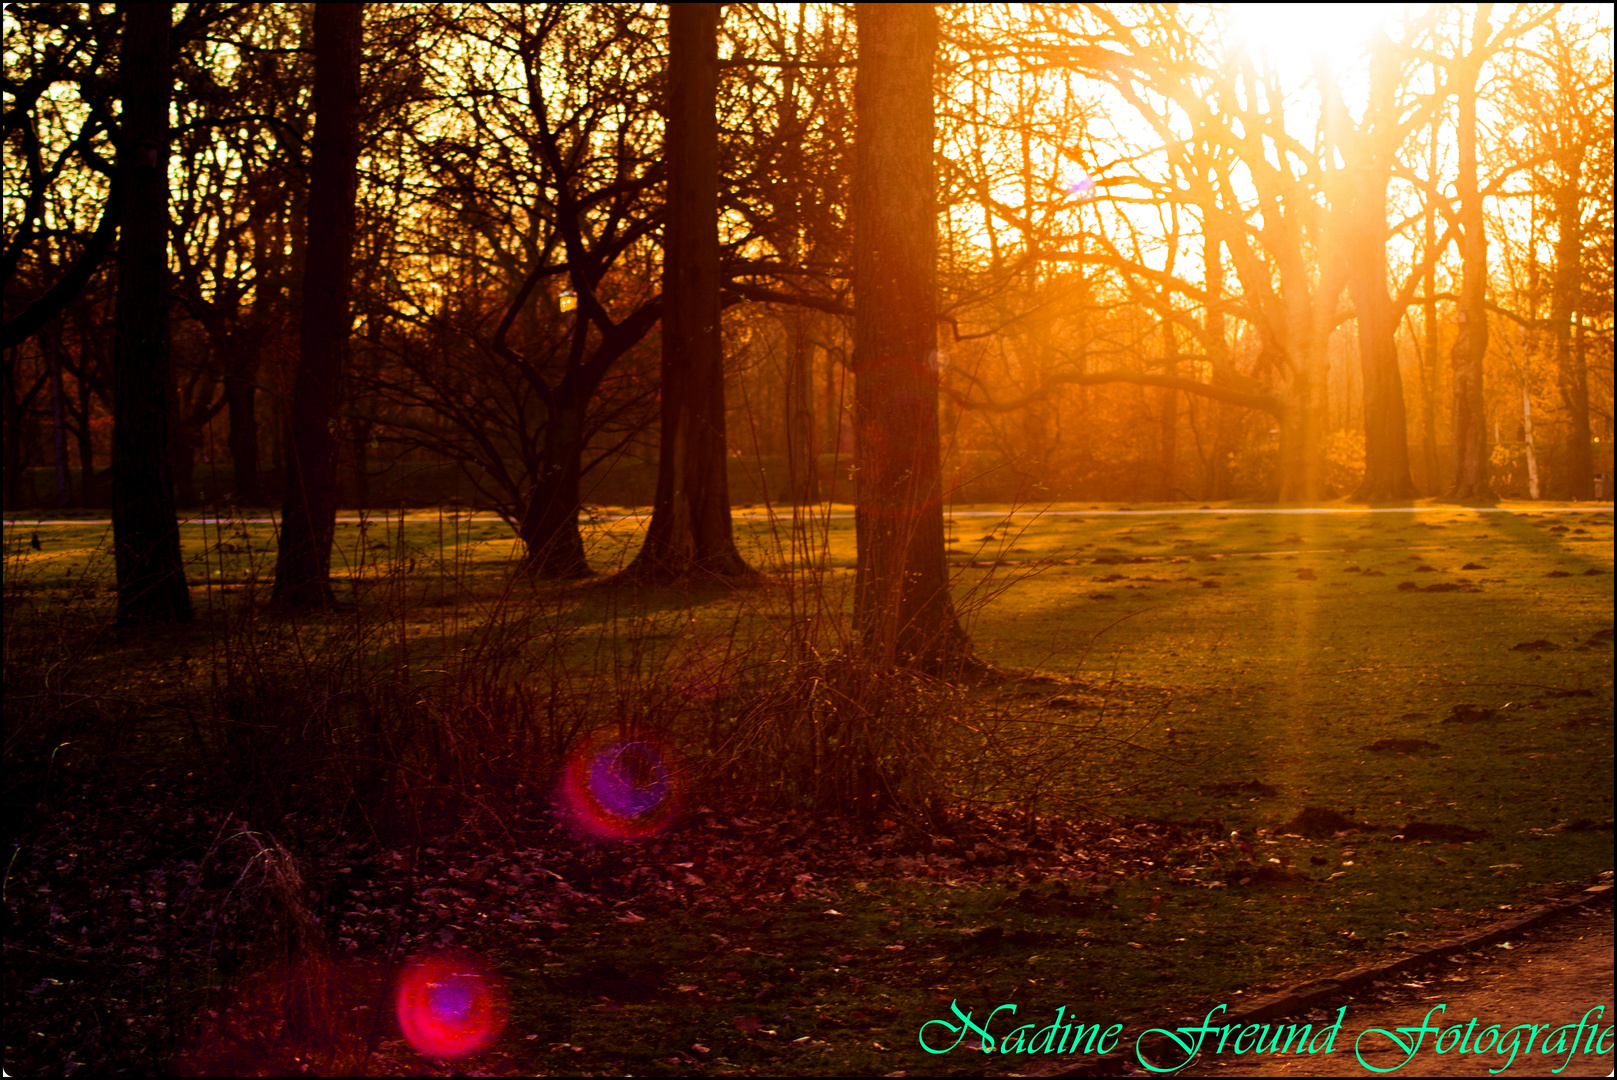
902 602
1578 119
1359 199
1471 340
690 529
303 564
145 533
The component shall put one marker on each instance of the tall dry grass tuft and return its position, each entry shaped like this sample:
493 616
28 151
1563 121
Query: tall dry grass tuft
841 738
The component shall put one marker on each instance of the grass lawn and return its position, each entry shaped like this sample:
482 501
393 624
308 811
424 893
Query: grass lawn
1240 746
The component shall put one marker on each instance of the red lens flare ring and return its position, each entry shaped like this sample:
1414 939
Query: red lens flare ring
620 786
450 1005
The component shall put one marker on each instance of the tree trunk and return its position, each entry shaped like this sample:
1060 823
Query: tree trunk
1218 356
182 451
85 434
1168 443
801 449
902 603
145 533
1572 377
53 358
1471 339
1386 424
359 431
303 566
1428 380
16 410
1527 437
1358 217
1302 427
549 526
690 529
241 389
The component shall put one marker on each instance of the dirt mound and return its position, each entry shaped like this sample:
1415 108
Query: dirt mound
1319 821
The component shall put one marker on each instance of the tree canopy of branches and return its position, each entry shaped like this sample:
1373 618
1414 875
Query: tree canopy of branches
1248 293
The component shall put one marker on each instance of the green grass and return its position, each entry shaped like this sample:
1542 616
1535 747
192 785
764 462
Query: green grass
1200 677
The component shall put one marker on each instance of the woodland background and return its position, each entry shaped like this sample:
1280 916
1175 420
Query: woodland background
1134 346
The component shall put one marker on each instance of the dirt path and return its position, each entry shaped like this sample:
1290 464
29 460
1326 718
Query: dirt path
1551 976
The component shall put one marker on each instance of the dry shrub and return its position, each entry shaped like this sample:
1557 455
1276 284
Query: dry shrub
840 737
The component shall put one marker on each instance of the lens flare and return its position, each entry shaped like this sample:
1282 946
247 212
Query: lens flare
619 787
450 1005
1084 187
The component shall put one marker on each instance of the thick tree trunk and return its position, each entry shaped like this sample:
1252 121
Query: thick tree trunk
1471 339
1359 220
145 533
690 529
303 566
549 526
902 603
1386 421
1302 446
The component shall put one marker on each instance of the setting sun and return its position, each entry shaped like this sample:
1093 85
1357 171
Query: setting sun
1290 35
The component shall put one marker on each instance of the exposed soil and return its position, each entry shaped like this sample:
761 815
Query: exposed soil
1553 976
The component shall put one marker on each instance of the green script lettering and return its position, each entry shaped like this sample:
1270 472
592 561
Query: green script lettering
1516 1042
1094 1033
1334 1030
1594 1029
1049 1034
1560 1042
